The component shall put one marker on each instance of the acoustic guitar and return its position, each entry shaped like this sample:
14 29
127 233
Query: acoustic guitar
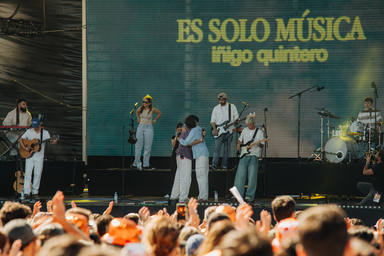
18 184
34 146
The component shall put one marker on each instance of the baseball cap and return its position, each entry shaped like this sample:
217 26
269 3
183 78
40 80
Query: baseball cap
222 95
35 122
122 231
19 229
228 210
147 97
193 243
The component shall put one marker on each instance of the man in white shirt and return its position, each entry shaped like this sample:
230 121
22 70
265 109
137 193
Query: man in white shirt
249 164
222 113
35 162
19 116
367 116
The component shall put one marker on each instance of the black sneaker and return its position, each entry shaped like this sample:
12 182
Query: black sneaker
35 196
248 200
213 167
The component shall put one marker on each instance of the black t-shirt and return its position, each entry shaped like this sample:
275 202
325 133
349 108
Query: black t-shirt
378 177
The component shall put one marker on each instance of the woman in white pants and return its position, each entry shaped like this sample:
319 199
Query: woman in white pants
144 132
201 154
182 183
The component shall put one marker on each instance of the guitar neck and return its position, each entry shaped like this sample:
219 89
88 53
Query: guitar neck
255 143
231 123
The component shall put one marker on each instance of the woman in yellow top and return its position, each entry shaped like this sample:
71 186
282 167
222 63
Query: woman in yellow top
144 132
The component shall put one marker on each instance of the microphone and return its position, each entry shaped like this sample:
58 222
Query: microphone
373 85
319 88
134 107
244 103
265 109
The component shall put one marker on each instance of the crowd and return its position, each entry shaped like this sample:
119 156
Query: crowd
224 230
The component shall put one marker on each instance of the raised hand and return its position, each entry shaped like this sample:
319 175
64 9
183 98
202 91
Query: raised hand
264 224
58 207
144 213
15 249
243 213
73 204
49 206
36 208
194 219
109 209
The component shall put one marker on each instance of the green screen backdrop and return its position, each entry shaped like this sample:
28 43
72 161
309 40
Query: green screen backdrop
183 53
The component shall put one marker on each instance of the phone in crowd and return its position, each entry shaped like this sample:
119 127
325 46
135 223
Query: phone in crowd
181 211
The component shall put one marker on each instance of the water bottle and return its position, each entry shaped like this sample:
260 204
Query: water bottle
115 198
216 194
22 195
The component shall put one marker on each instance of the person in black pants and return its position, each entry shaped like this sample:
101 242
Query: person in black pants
175 145
373 190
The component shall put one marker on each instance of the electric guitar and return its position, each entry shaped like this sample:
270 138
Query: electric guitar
34 146
245 148
223 127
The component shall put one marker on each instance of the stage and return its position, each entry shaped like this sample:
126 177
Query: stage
94 185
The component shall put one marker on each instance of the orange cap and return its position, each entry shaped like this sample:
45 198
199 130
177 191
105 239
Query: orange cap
122 231
286 228
227 209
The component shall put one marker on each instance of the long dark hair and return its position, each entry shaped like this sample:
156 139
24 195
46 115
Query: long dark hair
190 121
150 105
17 110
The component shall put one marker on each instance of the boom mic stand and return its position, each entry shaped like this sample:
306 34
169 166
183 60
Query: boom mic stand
265 132
377 140
299 113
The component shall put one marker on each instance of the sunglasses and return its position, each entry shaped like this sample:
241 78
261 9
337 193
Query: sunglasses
145 101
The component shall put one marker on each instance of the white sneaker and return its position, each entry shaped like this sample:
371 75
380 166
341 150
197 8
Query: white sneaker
166 196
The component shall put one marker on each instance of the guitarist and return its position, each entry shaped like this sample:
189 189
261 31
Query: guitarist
224 112
35 162
249 164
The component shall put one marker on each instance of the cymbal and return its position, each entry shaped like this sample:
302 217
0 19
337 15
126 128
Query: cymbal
369 110
328 114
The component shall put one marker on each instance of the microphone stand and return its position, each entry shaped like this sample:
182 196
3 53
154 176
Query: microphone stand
264 161
241 112
299 115
376 97
265 132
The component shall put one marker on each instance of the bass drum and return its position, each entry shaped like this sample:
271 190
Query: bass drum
339 149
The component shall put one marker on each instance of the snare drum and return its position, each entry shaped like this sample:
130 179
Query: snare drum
339 149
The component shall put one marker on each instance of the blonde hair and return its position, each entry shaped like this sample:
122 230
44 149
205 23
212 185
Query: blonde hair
160 236
251 118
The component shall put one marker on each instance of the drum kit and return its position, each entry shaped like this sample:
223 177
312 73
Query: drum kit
349 142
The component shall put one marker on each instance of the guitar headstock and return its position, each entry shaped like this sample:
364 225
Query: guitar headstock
54 139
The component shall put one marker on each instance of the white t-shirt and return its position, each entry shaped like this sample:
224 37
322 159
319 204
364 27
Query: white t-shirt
24 117
247 134
31 134
220 114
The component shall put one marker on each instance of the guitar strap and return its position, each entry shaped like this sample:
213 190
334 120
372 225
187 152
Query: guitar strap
41 138
253 137
229 112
